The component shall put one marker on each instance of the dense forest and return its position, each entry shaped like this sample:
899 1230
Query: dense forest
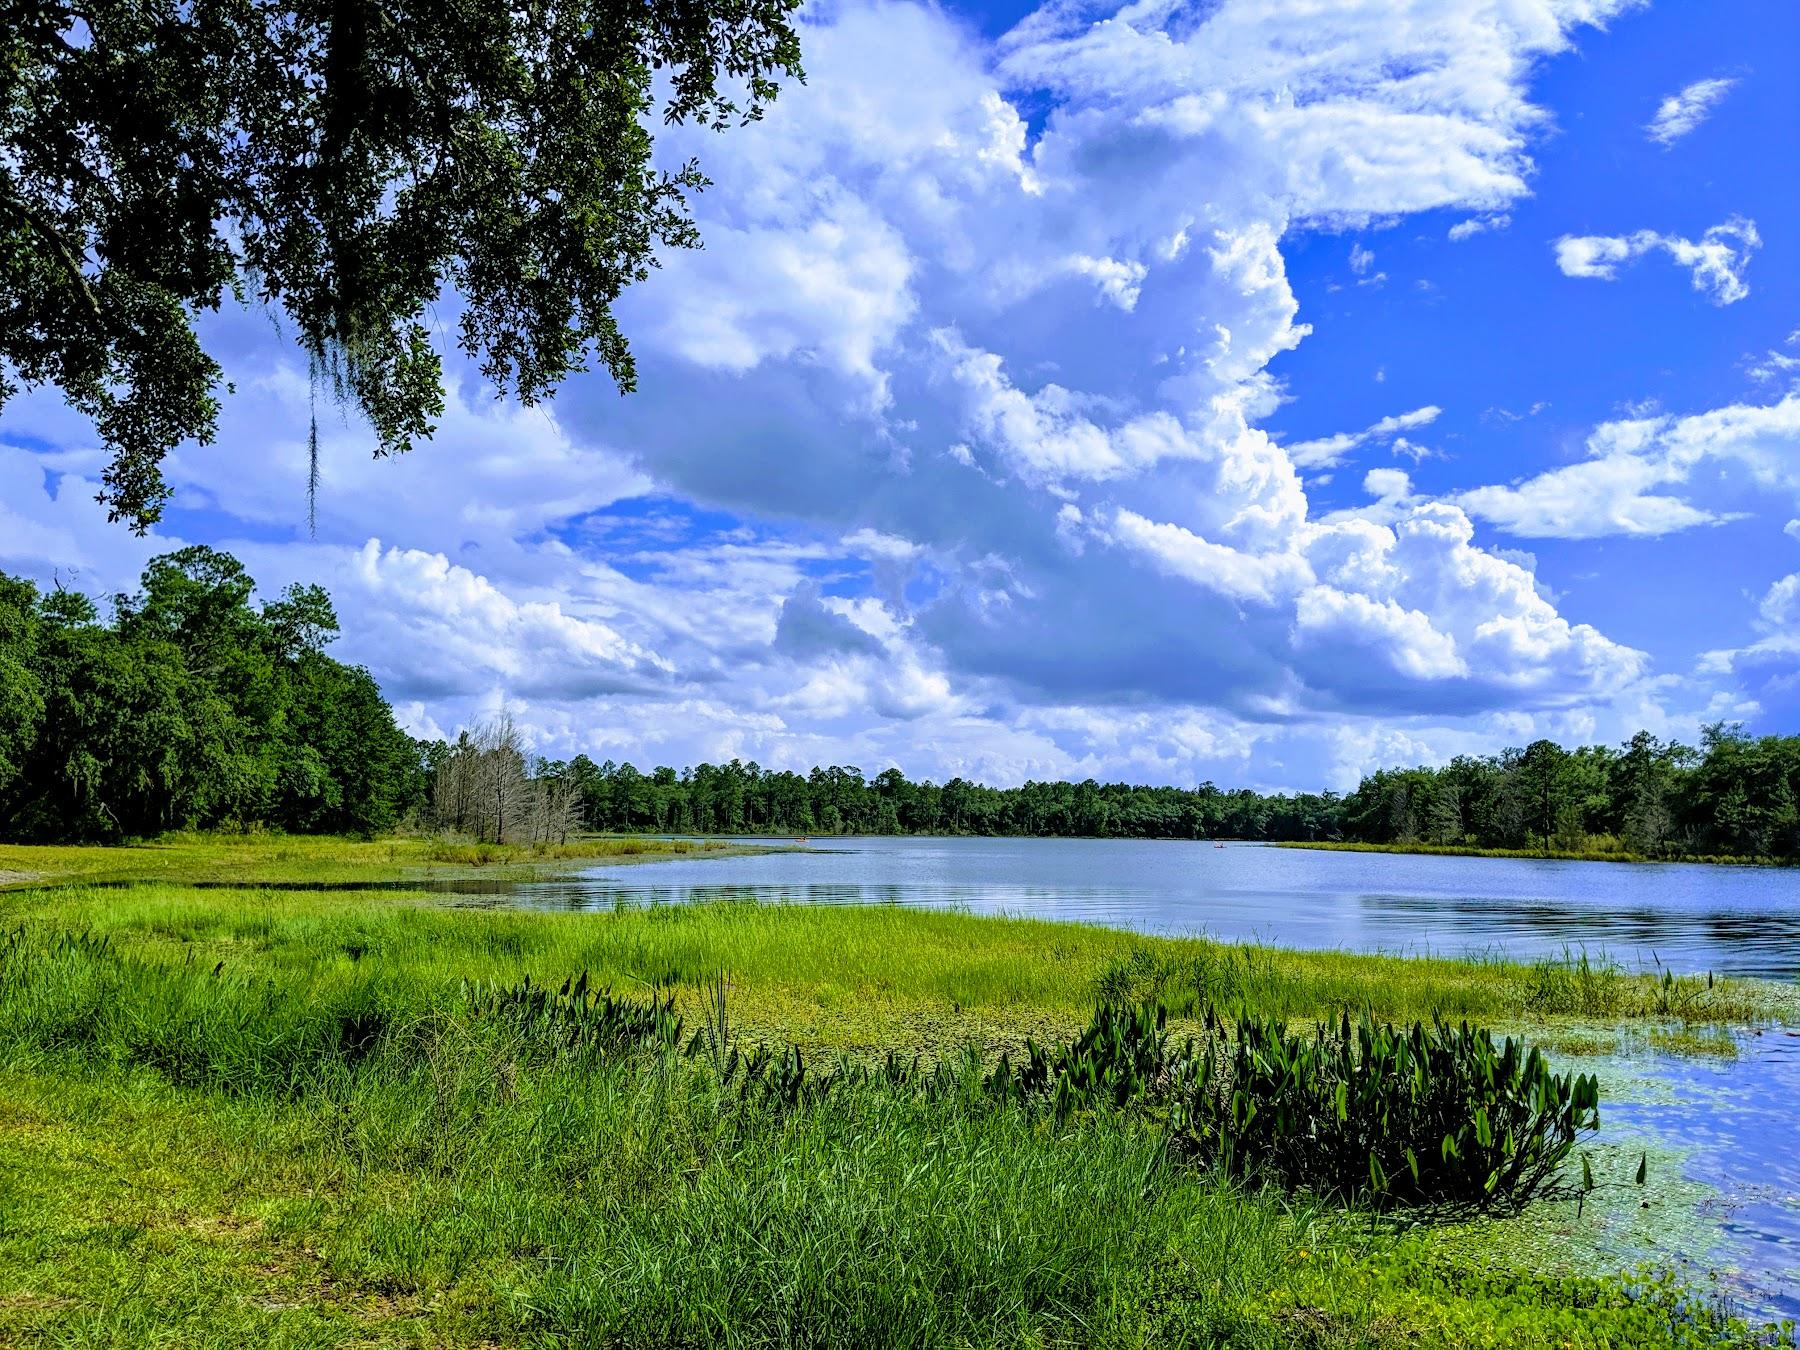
739 798
190 706
193 706
1735 796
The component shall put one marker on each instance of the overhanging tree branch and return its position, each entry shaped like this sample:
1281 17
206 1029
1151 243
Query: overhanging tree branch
20 209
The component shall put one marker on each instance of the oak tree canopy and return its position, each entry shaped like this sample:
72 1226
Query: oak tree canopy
347 163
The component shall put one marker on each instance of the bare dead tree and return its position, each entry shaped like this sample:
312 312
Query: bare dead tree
482 788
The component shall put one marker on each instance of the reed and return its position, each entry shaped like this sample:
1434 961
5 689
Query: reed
858 980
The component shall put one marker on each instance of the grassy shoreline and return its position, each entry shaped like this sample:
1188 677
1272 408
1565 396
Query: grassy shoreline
282 859
1527 854
267 1116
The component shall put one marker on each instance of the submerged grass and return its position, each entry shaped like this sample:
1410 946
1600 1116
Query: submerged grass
282 1118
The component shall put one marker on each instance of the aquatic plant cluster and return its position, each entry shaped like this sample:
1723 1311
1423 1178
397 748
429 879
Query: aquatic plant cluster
1422 1115
1367 1113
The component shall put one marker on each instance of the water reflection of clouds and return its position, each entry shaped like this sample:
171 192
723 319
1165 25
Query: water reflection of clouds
579 895
1729 920
1753 943
1733 1121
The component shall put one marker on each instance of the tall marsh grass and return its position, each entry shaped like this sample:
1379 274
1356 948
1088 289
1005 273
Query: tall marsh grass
260 855
534 1176
850 978
636 1198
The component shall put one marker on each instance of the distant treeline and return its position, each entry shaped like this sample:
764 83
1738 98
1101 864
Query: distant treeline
192 706
739 798
1734 796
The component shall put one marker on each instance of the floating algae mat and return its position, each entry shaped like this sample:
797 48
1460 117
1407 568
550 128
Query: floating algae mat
1725 1124
1720 1205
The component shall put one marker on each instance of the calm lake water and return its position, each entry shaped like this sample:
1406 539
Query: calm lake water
1730 1126
1723 1123
1694 918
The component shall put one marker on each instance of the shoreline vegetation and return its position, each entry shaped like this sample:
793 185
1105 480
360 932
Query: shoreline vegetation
276 859
1527 854
1649 800
314 1117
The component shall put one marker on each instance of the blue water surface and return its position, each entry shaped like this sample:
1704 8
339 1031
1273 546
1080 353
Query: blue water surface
1728 1121
1690 917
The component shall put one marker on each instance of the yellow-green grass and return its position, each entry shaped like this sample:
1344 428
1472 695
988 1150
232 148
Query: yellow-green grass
262 856
846 977
132 1213
455 1187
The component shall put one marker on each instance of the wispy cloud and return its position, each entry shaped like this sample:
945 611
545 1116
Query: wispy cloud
1474 225
1681 112
1327 451
1717 260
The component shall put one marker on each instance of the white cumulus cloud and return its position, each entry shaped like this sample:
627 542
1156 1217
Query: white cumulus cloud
949 445
1625 486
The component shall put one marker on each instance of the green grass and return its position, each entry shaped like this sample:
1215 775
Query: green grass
261 856
268 1117
842 978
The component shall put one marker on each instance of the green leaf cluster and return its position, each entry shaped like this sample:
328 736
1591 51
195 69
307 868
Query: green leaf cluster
352 163
1435 1114
191 707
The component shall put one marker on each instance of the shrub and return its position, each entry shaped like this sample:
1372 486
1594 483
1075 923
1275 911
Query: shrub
1368 1112
1426 1115
575 1018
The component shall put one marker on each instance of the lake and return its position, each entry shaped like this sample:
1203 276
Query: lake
1725 1124
1691 917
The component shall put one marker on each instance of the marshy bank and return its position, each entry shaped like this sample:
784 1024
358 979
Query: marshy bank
1606 849
303 1117
261 857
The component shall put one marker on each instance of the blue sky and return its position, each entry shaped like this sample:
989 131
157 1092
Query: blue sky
1254 391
